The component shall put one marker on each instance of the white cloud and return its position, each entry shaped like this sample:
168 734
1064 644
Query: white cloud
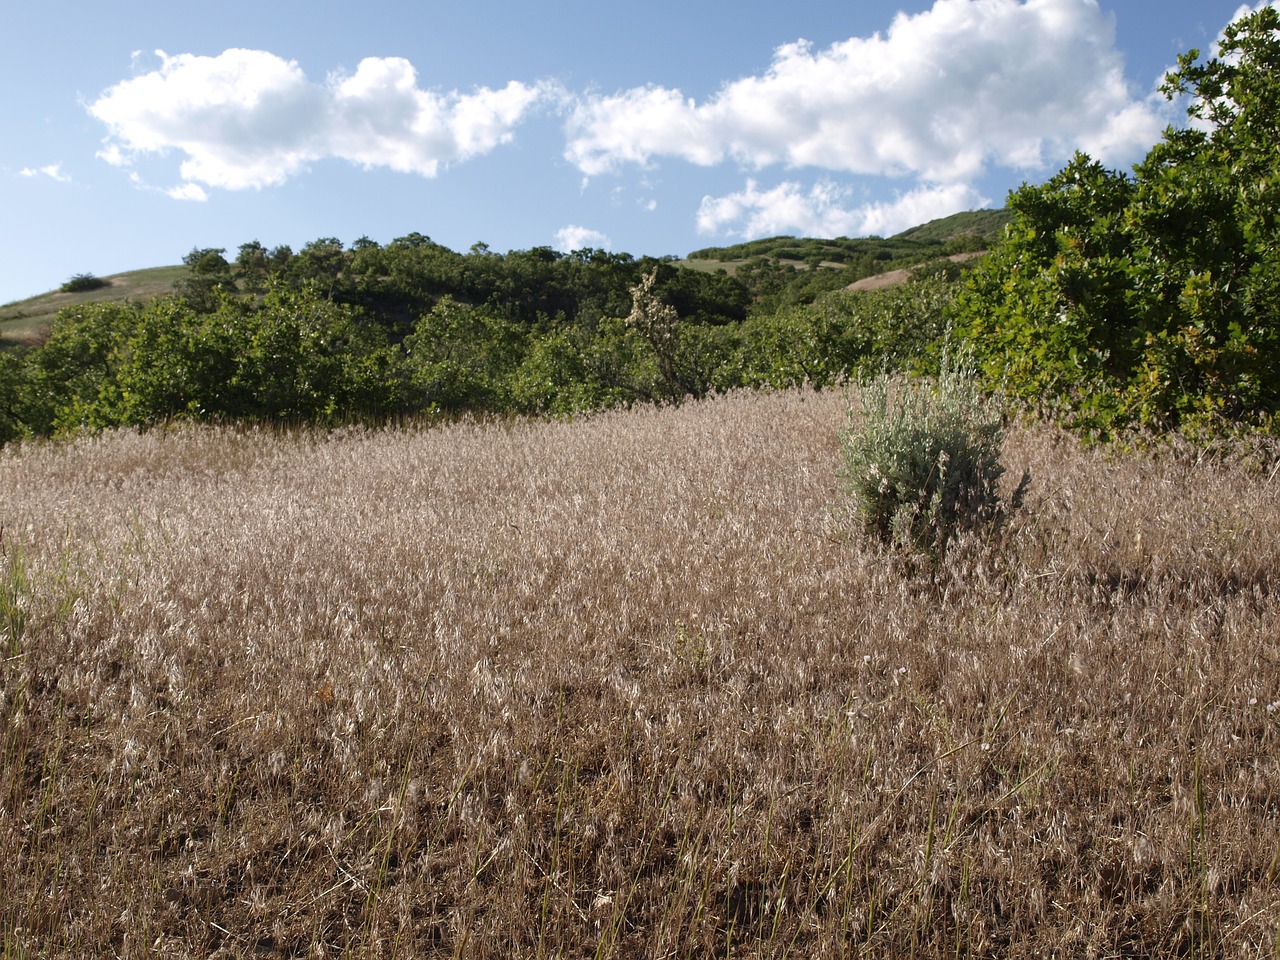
918 206
188 191
573 237
248 118
384 119
785 208
53 171
941 95
824 210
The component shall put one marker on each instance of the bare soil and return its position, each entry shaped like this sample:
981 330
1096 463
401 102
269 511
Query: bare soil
891 278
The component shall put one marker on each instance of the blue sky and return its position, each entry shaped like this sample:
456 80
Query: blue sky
135 131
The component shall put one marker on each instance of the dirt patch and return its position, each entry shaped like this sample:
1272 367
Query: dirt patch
891 278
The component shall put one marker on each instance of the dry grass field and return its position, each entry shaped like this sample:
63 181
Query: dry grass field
628 687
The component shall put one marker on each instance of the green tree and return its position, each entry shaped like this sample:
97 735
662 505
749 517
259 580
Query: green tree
83 282
461 357
290 355
307 358
209 275
19 416
690 357
253 267
1049 311
1151 300
1206 232
556 377
78 369
848 333
322 262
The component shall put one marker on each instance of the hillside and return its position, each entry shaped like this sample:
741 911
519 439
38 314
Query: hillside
27 320
986 224
864 256
891 278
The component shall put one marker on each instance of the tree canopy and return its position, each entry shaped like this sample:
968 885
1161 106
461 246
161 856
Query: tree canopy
1151 299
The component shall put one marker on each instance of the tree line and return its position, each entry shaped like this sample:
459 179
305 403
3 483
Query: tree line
332 333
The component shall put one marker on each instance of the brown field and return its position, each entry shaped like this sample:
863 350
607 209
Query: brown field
628 687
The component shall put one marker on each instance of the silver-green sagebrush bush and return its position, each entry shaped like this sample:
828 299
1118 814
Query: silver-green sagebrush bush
922 458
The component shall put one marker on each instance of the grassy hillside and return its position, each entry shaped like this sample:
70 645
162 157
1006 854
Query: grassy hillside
627 686
868 254
987 224
28 320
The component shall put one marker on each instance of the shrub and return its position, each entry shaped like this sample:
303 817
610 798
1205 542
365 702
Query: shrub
922 458
84 282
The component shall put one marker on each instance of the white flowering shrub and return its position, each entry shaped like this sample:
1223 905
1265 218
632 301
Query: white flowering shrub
922 458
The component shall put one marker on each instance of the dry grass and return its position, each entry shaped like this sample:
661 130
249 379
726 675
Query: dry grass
28 321
627 688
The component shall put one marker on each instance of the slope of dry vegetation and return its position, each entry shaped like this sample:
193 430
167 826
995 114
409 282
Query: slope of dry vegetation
627 687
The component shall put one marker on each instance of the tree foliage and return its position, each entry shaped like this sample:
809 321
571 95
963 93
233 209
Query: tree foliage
1151 300
294 353
289 356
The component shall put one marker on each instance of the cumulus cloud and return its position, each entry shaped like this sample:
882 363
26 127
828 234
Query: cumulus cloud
188 191
53 171
940 96
248 118
918 206
574 237
825 210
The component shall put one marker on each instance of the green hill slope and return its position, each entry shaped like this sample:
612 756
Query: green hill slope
27 320
987 224
866 256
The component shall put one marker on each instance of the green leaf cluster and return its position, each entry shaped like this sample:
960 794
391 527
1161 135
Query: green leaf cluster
84 282
290 356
